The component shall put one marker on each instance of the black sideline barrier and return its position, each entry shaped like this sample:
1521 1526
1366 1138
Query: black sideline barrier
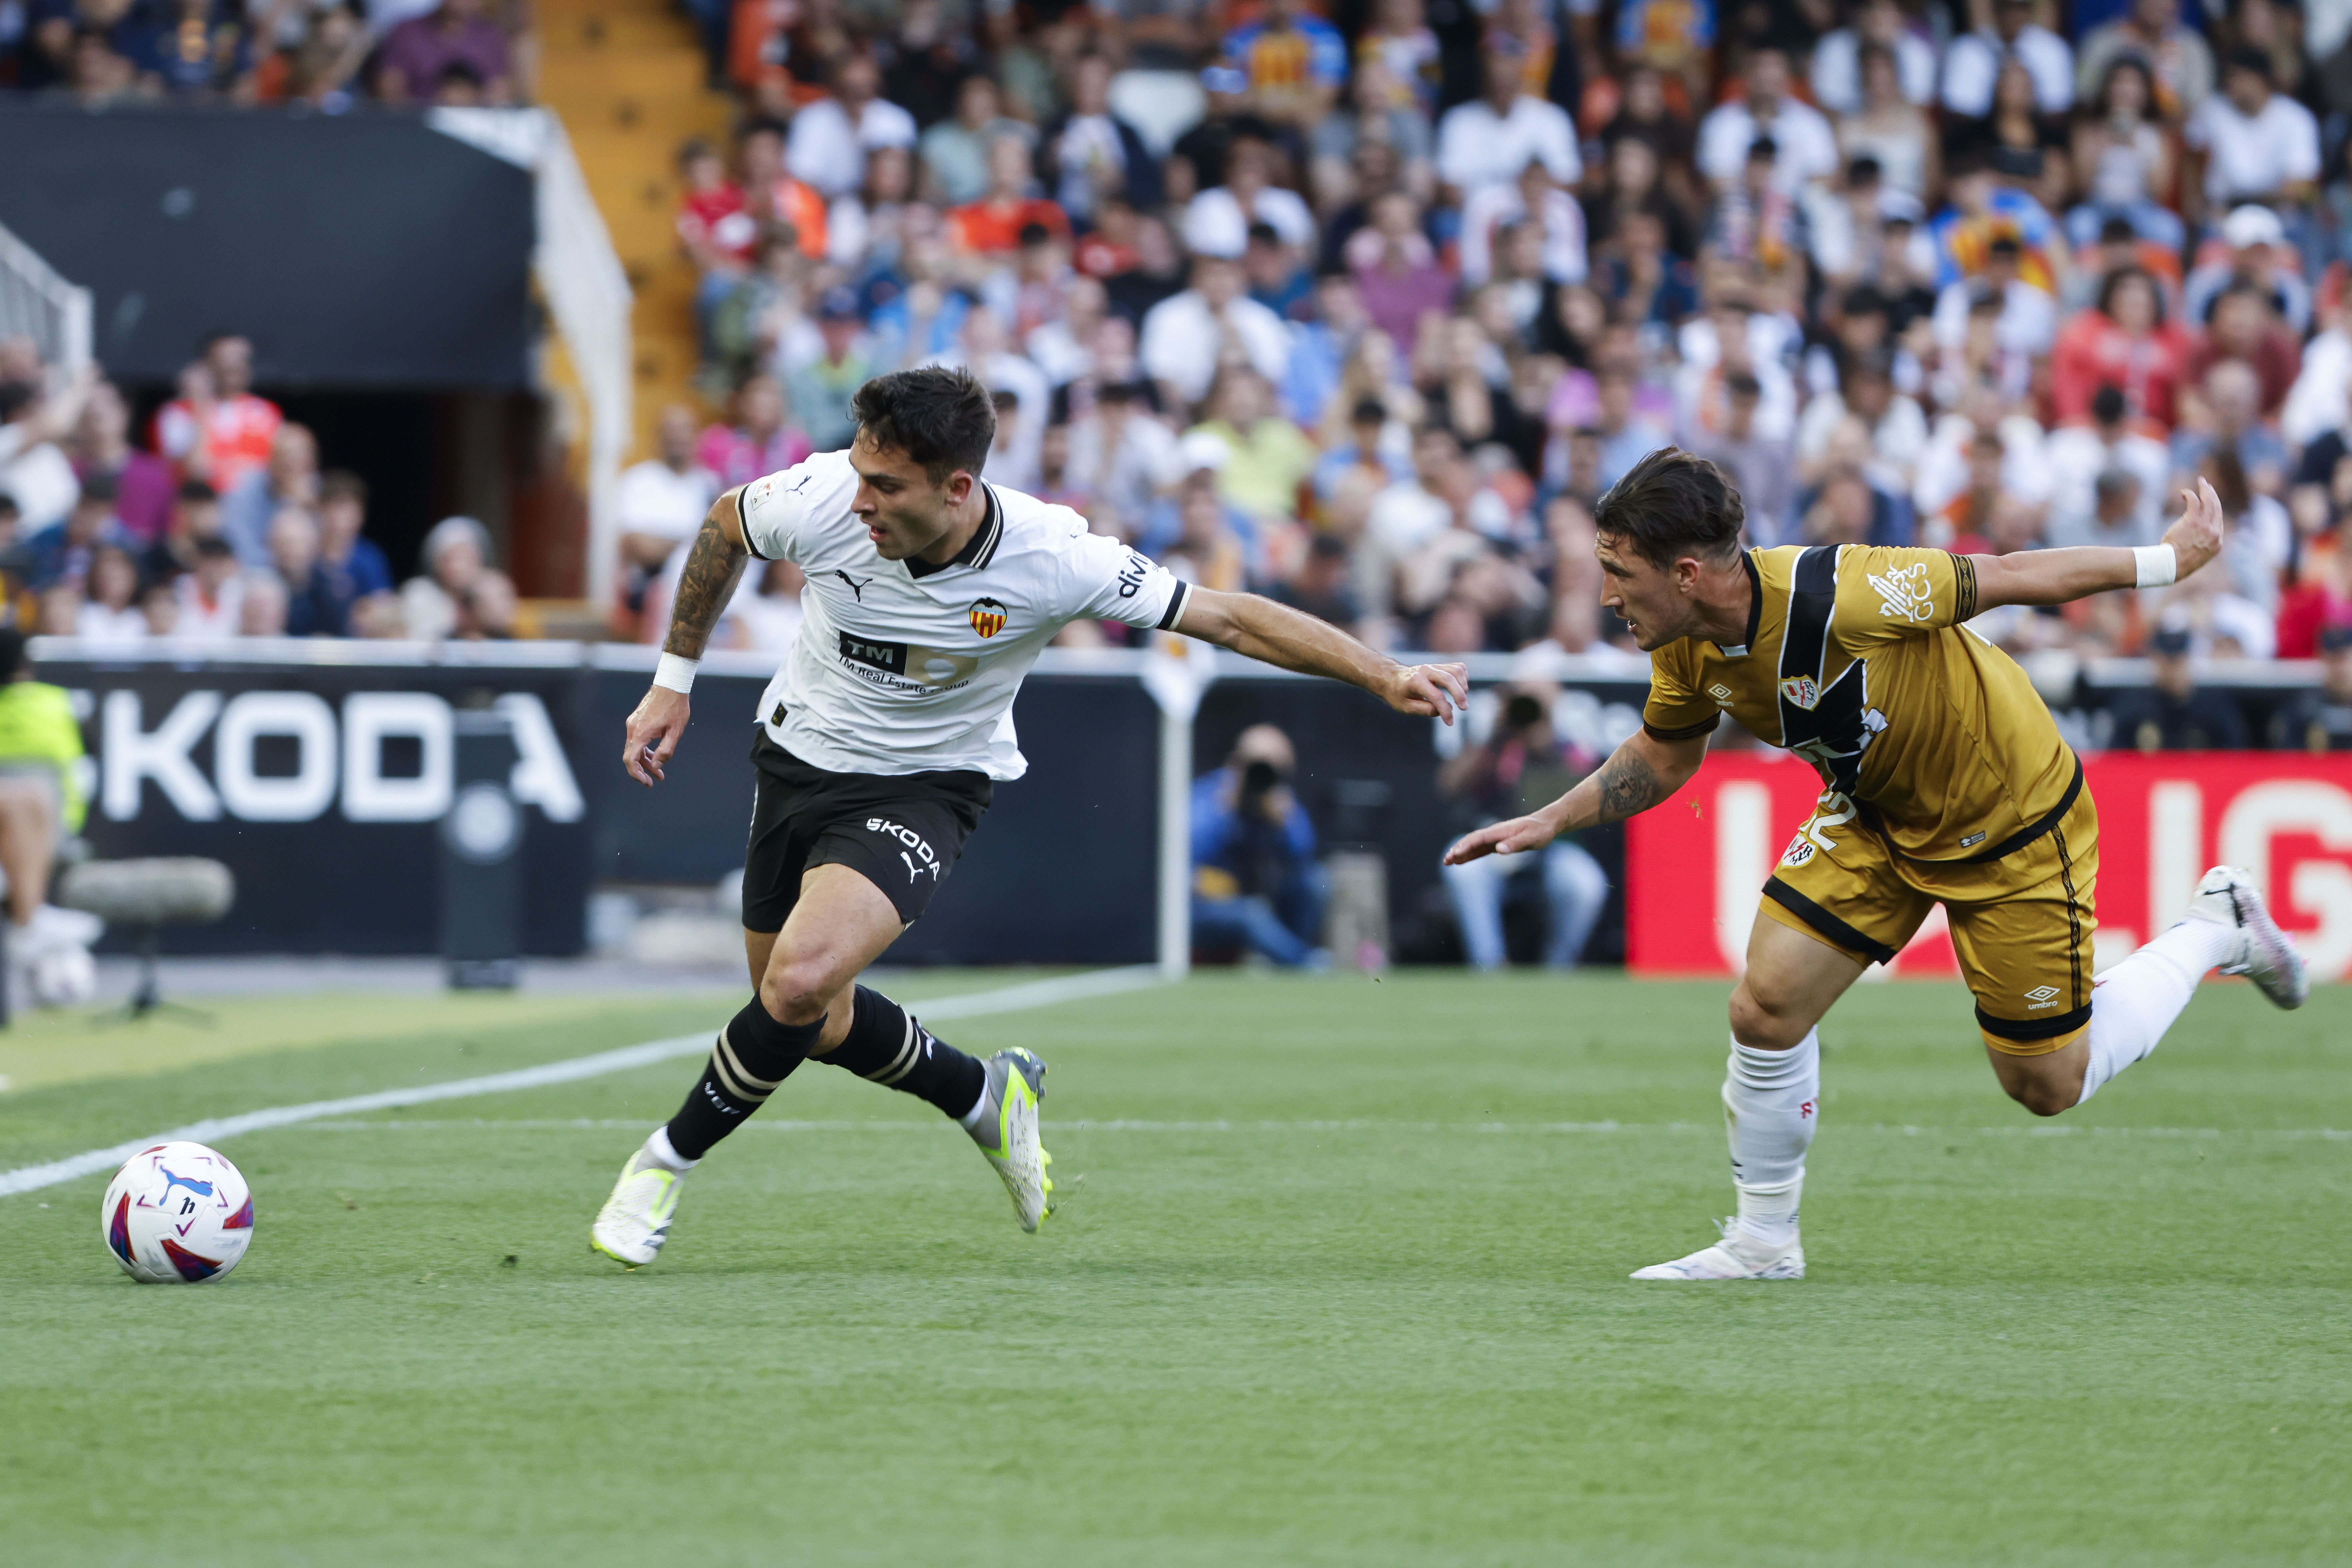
319 773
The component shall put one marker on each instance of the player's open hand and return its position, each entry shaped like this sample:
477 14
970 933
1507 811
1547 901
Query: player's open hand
1512 837
1429 689
2196 537
655 731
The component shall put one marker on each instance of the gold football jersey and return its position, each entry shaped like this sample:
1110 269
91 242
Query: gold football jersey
1856 661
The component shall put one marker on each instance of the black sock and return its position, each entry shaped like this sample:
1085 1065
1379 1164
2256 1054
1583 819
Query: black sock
892 1049
753 1056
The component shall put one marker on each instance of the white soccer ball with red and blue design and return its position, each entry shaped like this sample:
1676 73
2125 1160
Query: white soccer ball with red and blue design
177 1213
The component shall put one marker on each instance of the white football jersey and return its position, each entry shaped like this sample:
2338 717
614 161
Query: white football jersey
906 668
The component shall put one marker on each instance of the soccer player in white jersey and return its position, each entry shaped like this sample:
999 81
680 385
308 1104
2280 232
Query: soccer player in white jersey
930 593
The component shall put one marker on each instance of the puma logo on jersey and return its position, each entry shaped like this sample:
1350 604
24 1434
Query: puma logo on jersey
1903 593
857 585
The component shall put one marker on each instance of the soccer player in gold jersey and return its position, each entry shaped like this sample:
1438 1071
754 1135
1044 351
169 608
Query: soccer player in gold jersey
1944 781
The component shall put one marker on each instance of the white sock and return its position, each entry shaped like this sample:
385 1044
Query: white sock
2136 1001
971 1118
1770 1104
669 1159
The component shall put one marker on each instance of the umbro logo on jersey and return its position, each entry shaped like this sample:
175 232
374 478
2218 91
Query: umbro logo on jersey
1722 694
857 585
987 618
1801 691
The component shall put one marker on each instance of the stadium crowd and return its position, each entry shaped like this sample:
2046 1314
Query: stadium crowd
214 521
1410 288
322 54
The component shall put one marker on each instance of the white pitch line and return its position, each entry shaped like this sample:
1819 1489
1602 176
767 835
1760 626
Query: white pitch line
586 1124
969 1004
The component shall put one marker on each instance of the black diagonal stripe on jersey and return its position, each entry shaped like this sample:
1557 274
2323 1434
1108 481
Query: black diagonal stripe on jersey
1830 734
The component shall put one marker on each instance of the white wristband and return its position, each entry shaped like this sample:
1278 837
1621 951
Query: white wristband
675 673
2159 565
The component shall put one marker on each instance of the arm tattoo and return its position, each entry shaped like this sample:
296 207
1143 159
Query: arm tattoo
1627 787
704 589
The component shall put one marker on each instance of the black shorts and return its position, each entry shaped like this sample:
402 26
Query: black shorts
900 832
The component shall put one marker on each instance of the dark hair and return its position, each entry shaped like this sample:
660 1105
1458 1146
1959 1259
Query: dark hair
342 484
2128 60
1367 411
101 486
942 418
2115 280
2247 59
197 490
12 652
2118 230
14 396
2108 404
460 72
1671 505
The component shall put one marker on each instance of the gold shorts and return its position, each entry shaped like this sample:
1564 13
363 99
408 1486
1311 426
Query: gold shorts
2021 924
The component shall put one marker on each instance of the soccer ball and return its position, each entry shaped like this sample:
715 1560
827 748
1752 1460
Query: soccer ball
177 1213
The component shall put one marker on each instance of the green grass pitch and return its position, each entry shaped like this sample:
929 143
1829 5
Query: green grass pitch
1344 1284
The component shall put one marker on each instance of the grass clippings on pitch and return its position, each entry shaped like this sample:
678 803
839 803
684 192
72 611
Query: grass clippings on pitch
1344 1285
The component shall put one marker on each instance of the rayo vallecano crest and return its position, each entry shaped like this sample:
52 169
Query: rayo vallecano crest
1799 691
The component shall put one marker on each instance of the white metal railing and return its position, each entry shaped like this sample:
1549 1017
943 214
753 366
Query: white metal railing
35 302
580 275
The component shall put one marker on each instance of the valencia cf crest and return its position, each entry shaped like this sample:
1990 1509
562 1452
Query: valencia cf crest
1801 693
987 617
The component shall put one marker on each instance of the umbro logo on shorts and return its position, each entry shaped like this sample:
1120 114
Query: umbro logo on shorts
2043 995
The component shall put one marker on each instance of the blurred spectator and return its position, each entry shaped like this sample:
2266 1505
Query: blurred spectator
2257 256
2174 713
2125 343
1288 66
456 554
210 598
1323 588
485 609
1270 457
33 468
2088 466
1520 767
1764 471
2320 721
661 503
1094 155
2175 54
312 608
955 152
41 803
110 612
216 429
61 552
142 482
1804 148
1489 140
1185 335
1973 61
290 478
261 605
419 54
357 577
831 137
195 514
770 618
1256 884
759 442
992 225
1839 68
2122 156
2252 143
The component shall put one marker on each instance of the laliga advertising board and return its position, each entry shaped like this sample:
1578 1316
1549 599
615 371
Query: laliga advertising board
1694 866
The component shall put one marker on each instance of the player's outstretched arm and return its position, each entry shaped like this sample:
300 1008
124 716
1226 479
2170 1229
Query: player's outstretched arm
2061 577
1637 776
713 564
1290 639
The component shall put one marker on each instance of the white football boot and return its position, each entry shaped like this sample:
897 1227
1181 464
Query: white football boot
635 1221
1739 1256
1004 1125
2265 954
